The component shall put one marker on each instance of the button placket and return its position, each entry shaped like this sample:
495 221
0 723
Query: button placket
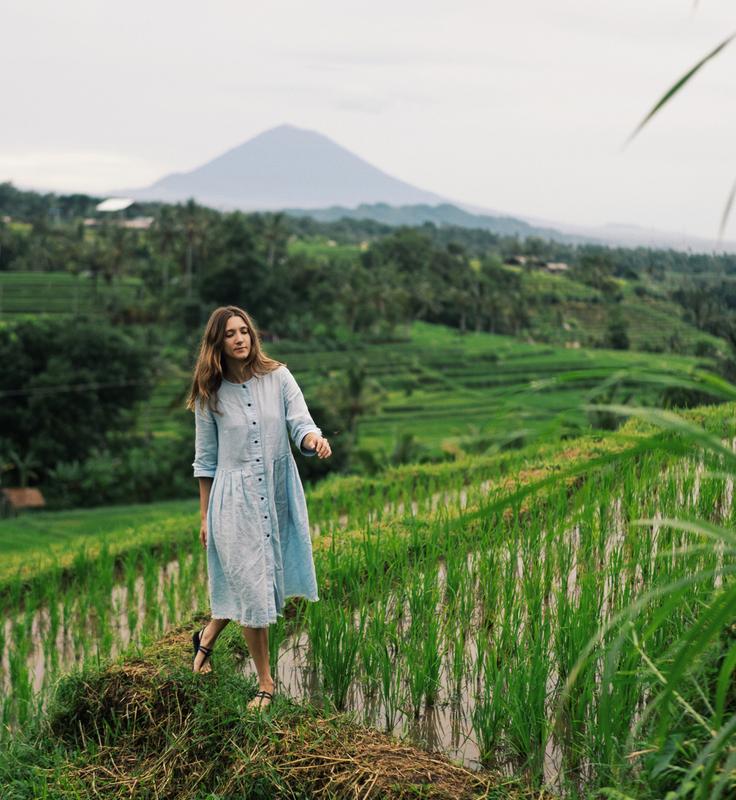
257 448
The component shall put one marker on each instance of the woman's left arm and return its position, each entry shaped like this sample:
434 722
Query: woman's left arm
304 433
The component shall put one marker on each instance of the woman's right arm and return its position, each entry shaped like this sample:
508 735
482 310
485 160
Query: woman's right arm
205 486
205 461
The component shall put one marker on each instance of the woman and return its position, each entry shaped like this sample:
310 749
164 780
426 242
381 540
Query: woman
253 513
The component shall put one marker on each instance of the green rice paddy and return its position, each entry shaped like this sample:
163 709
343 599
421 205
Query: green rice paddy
458 393
474 584
60 293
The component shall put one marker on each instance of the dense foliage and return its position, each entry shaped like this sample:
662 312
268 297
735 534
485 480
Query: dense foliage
153 272
308 279
64 388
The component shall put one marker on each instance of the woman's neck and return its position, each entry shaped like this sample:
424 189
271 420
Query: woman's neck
237 371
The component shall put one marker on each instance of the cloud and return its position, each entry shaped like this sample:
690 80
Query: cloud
81 170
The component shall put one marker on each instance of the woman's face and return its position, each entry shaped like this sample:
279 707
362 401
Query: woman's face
236 344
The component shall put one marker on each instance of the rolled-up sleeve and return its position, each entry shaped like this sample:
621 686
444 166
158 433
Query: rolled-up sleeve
298 419
205 443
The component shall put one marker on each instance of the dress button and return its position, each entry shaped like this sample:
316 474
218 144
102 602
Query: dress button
256 441
265 516
254 423
260 479
248 405
258 459
263 498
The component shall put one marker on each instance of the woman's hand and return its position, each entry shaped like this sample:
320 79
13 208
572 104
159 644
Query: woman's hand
203 532
318 443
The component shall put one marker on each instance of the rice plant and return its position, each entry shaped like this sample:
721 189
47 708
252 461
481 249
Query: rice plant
337 656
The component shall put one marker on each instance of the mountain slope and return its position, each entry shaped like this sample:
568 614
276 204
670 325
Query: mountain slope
440 215
308 173
282 167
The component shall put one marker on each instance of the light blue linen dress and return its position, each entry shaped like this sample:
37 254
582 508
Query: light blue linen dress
258 546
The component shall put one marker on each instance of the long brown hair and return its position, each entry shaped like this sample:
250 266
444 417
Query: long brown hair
208 371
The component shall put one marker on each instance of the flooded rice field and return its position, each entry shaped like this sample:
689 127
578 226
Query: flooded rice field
459 632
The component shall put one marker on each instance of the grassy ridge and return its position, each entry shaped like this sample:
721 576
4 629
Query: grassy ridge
121 532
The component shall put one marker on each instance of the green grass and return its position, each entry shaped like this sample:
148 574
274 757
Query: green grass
317 247
58 293
35 532
556 550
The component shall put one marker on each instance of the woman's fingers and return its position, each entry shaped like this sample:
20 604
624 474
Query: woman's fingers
323 448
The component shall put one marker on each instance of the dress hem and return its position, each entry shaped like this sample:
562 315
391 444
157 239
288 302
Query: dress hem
262 625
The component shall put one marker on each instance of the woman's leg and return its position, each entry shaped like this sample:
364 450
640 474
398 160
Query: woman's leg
209 636
257 641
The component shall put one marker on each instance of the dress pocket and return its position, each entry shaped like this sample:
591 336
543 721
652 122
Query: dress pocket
280 488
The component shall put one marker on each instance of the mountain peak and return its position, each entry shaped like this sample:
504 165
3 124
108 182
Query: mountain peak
286 167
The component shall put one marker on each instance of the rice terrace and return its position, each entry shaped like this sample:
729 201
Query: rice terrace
316 484
498 616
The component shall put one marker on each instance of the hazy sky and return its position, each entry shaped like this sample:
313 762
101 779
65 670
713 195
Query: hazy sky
521 106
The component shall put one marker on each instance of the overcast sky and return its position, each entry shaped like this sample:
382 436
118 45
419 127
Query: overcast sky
520 107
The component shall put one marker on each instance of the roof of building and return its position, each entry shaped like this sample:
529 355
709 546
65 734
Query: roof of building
115 204
24 498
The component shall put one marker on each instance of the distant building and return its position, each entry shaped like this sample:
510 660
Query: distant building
531 262
139 223
112 204
14 500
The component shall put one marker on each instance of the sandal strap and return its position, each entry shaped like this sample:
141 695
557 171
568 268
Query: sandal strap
264 693
200 648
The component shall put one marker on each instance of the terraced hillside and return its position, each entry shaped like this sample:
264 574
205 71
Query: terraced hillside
24 293
562 310
453 391
444 387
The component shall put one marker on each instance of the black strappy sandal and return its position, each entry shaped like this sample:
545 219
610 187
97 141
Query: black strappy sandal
200 648
263 694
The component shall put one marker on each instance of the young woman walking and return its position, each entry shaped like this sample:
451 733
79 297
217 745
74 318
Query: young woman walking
253 512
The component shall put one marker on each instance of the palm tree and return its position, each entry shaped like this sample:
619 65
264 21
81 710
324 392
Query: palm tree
275 234
166 235
195 225
25 465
